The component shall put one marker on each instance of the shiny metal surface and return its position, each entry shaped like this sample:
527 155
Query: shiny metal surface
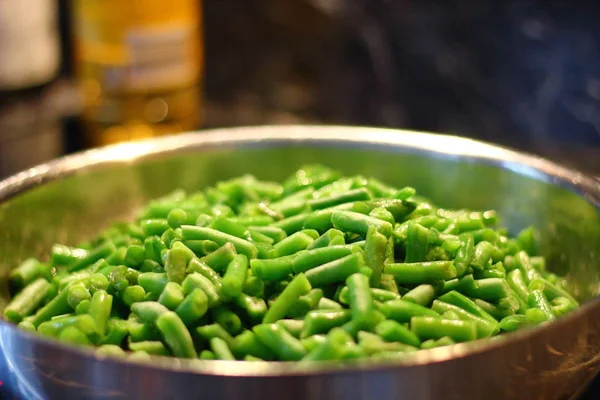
72 198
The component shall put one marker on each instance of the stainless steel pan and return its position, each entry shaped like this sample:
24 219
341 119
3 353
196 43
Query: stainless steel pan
72 198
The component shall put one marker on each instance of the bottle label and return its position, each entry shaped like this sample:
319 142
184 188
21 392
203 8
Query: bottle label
138 47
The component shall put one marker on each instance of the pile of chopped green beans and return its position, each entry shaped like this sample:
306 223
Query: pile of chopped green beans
321 267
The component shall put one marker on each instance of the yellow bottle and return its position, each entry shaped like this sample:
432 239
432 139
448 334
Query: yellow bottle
140 65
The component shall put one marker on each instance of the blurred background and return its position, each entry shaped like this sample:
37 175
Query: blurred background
81 73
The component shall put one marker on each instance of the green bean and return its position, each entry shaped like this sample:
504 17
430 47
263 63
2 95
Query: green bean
253 286
465 254
292 244
431 343
537 299
375 253
360 299
392 331
27 272
293 326
328 304
227 319
76 294
514 322
219 259
201 247
416 273
550 290
436 328
198 281
153 282
422 295
220 349
63 255
133 294
116 331
322 321
299 286
312 342
193 307
482 256
256 308
335 271
153 246
175 265
139 332
276 234
26 301
495 310
280 342
246 343
208 332
460 300
73 335
359 223
235 276
373 344
149 311
200 233
207 355
377 294
172 296
325 239
490 289
388 283
83 307
485 328
305 303
198 266
57 306
416 243
562 306
176 335
522 262
151 347
84 323
91 257
462 285
402 311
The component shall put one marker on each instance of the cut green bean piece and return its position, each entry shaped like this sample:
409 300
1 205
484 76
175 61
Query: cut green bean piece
392 331
462 301
219 259
490 289
484 327
57 306
422 295
200 233
198 281
149 311
193 307
416 273
246 343
328 304
176 335
208 332
322 321
221 350
305 303
335 271
27 301
299 286
235 276
359 223
375 253
227 319
402 311
91 257
482 256
151 347
172 296
280 342
436 328
514 322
